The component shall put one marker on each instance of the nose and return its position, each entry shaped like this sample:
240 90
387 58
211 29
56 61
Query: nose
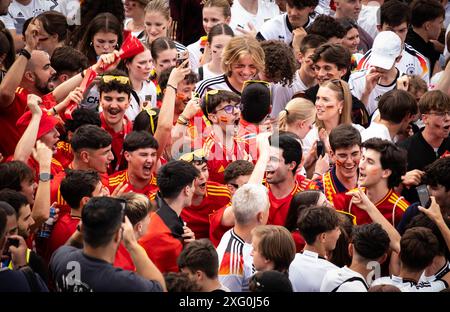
110 156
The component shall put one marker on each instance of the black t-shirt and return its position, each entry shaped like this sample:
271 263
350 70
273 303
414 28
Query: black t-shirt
16 281
420 154
73 271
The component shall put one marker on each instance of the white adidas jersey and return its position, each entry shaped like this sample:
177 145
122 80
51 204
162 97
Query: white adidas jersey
411 286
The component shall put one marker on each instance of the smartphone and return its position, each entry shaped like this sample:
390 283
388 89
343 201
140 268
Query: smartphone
181 57
320 149
10 242
424 196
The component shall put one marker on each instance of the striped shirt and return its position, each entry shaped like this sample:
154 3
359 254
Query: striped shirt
216 83
235 262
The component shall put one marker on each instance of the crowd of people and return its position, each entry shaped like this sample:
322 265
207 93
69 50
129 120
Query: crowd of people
247 145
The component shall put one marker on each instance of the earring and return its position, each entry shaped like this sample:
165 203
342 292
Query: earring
117 45
90 44
340 110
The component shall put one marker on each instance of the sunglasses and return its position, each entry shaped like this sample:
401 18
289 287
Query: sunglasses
249 82
197 155
119 79
151 113
352 217
229 109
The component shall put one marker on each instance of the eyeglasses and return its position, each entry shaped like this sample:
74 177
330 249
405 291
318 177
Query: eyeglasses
197 155
229 109
119 79
440 114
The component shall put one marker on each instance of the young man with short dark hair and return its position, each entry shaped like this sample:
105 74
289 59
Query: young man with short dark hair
115 92
77 187
345 143
104 227
319 226
299 14
140 150
166 233
397 109
200 261
418 247
208 197
427 17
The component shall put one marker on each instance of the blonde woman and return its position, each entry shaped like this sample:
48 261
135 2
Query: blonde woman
334 107
242 60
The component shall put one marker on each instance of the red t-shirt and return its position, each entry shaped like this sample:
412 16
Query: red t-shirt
219 157
122 176
119 162
248 133
64 227
279 207
9 116
123 259
197 217
216 229
391 206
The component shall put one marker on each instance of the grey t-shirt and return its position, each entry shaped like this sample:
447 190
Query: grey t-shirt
73 271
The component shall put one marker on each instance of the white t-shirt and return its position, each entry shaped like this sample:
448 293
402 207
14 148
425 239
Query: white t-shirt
339 278
368 19
18 13
71 9
357 84
283 94
439 274
148 92
216 83
137 34
235 262
194 54
376 130
240 16
410 286
307 270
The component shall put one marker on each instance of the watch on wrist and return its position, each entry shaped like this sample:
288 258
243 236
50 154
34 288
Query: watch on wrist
25 53
45 177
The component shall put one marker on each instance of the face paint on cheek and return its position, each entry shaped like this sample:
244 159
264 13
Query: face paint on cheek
223 119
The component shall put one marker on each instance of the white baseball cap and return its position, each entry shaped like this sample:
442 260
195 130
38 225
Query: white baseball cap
386 47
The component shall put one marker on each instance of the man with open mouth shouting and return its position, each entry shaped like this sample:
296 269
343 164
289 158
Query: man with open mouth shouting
208 196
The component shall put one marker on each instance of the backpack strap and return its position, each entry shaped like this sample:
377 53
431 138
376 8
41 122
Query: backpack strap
200 73
31 278
352 279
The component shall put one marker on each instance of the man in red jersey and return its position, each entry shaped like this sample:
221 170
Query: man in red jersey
208 196
166 233
76 189
380 169
115 91
345 143
91 146
140 149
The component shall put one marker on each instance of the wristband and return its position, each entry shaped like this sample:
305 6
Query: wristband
82 74
54 110
25 53
318 173
169 85
182 122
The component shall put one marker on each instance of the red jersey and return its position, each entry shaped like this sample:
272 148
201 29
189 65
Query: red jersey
9 116
248 132
197 217
122 176
198 130
216 229
163 241
64 153
55 167
119 162
219 157
279 207
391 206
64 227
330 185
123 259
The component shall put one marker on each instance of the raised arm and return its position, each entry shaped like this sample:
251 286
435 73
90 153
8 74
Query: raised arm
264 155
